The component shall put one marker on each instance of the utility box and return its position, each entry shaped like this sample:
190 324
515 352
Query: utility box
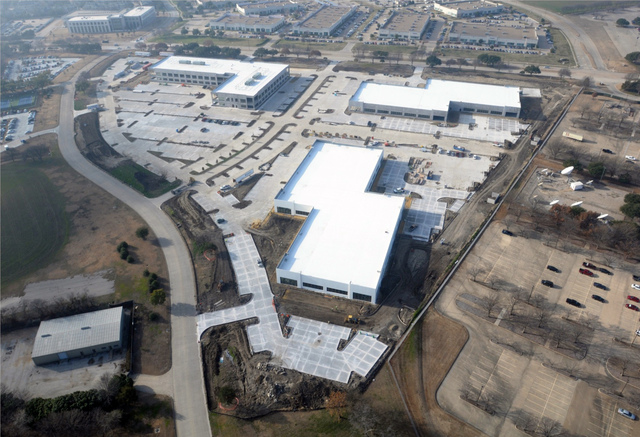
575 186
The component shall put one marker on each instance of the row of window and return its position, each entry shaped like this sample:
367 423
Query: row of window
293 282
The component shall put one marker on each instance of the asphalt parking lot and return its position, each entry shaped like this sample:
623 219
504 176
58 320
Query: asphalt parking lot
605 421
550 395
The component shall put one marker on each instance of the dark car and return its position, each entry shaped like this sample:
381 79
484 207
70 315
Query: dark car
610 152
589 265
633 298
605 271
547 283
507 232
632 307
574 302
636 277
598 298
553 269
600 286
586 272
221 220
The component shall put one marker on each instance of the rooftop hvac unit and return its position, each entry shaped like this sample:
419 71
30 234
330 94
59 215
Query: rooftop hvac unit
184 61
248 82
257 75
199 63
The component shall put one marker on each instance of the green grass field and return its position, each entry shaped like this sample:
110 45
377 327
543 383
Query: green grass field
142 180
560 7
34 223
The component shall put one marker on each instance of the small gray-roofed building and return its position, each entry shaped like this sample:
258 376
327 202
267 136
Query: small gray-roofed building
248 23
324 21
267 8
405 26
79 336
516 35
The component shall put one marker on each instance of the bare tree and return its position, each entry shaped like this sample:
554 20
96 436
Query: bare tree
549 427
490 302
553 148
511 304
586 81
564 72
542 315
474 272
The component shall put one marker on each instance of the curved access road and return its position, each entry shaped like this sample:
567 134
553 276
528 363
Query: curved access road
191 414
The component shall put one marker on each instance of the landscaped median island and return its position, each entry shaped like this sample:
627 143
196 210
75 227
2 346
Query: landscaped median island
94 148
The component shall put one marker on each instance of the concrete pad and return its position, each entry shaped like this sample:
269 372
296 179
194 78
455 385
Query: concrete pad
311 347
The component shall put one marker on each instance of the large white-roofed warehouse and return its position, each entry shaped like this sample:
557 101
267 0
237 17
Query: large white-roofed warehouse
344 246
437 99
238 84
77 336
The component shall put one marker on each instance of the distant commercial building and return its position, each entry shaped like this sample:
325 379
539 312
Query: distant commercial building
324 21
267 8
79 336
402 25
517 36
436 99
238 84
134 19
344 245
248 23
468 9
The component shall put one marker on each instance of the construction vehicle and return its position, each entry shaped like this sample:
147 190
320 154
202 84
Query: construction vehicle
351 319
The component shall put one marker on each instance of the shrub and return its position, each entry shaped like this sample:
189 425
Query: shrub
142 232
226 394
153 285
158 297
153 277
124 253
122 245
130 259
153 317
145 273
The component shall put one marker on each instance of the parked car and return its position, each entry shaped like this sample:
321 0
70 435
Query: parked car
507 232
547 283
398 190
600 286
610 152
221 220
635 286
225 187
636 277
632 307
574 302
589 265
633 298
626 414
605 271
553 269
586 272
598 298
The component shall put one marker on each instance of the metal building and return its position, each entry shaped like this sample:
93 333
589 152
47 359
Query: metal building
79 336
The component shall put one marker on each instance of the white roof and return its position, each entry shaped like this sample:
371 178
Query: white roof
248 77
78 332
90 18
437 95
140 10
347 236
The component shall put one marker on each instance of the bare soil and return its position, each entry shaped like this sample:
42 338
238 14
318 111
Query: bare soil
98 223
49 110
421 364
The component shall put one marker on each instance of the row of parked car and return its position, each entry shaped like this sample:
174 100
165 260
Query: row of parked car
588 269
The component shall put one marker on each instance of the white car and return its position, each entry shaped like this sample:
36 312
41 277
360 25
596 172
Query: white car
635 286
398 190
630 158
626 414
